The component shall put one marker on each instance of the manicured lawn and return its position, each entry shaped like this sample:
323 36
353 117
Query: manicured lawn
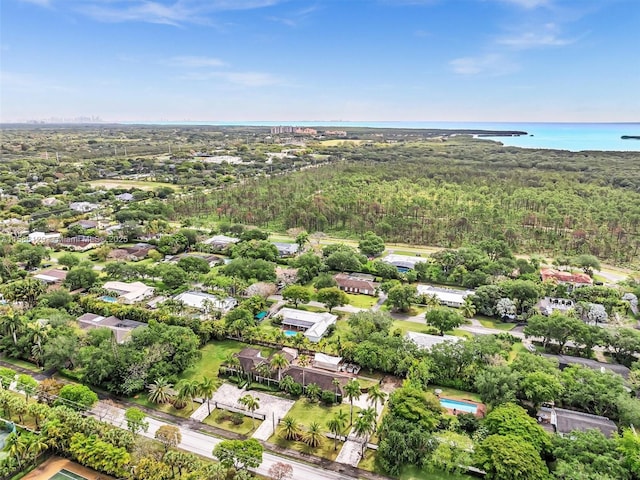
407 326
21 363
362 301
213 354
306 412
454 394
410 472
488 323
325 450
415 473
461 333
222 419
141 399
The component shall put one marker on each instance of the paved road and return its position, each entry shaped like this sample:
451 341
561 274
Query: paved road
202 444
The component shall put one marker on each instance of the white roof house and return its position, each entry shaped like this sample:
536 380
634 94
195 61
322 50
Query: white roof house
129 292
206 302
326 362
313 325
446 296
220 241
426 341
83 207
287 249
41 237
403 261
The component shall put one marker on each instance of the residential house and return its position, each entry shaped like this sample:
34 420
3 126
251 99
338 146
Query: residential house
85 224
325 380
562 421
125 197
81 243
287 249
129 293
313 325
567 278
121 328
220 242
53 276
446 296
548 305
565 360
206 302
356 283
42 238
83 207
403 263
426 341
212 260
326 362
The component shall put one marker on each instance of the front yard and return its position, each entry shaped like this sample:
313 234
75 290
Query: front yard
225 420
306 412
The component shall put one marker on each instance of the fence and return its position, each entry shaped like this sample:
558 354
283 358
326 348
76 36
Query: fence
231 408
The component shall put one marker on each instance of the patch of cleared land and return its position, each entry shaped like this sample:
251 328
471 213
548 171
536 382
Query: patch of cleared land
141 184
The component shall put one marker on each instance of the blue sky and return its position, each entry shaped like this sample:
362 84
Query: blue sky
351 60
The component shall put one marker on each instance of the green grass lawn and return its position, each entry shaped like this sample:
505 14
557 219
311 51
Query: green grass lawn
489 323
306 412
407 326
222 419
325 450
516 350
213 354
362 301
21 363
454 394
141 399
410 472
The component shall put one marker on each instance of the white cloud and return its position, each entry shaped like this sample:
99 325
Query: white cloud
194 62
168 12
545 36
242 79
490 64
529 4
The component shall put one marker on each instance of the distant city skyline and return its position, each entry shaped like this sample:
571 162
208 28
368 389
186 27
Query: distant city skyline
327 60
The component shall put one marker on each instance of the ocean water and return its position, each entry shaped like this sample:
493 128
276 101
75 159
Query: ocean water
558 136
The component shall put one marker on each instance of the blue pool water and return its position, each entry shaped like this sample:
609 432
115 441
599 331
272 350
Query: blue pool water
459 406
290 333
109 299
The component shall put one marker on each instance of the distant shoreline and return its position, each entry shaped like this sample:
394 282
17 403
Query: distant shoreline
630 137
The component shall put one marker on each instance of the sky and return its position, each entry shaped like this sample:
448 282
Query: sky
322 60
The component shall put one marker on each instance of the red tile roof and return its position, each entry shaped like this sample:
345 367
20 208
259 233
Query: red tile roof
565 277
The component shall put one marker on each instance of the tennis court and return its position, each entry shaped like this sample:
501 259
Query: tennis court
67 475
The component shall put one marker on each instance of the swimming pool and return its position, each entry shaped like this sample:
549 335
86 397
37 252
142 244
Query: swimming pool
290 333
458 406
107 298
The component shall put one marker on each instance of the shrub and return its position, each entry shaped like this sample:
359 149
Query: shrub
237 418
328 397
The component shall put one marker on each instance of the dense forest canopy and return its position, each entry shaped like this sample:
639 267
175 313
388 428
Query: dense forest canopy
450 194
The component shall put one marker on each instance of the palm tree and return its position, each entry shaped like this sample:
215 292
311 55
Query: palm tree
314 436
304 361
11 323
365 426
352 391
160 391
376 395
16 447
232 361
286 384
251 404
188 389
468 309
264 370
431 301
313 391
35 445
335 425
278 362
207 386
336 384
289 428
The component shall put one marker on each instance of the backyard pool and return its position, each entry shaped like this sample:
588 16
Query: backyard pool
109 299
458 406
290 333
